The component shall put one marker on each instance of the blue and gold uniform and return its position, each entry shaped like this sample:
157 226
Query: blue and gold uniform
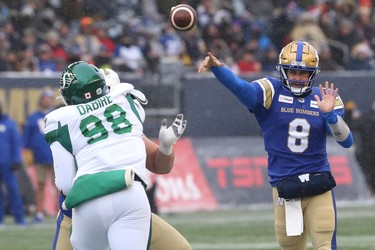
295 118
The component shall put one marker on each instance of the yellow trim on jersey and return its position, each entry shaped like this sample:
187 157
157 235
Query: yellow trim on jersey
268 91
339 104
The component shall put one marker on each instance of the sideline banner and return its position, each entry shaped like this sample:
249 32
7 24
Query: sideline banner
217 172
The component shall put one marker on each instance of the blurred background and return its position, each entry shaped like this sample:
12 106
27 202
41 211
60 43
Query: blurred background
220 161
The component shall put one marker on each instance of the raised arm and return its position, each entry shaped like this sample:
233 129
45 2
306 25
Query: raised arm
340 130
242 89
160 158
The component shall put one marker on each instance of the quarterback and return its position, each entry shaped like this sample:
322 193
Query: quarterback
295 118
100 155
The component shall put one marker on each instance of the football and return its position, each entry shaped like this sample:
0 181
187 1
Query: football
183 17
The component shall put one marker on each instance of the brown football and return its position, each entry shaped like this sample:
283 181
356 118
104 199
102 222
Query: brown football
183 17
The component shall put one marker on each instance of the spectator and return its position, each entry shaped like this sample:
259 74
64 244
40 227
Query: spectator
152 51
236 22
360 57
10 161
270 59
206 10
194 45
46 63
171 42
103 59
258 34
58 51
326 61
307 28
248 63
347 33
37 150
87 39
280 25
128 56
28 60
105 40
366 149
347 9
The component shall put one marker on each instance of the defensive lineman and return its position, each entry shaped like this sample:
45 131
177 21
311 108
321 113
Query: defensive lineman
105 137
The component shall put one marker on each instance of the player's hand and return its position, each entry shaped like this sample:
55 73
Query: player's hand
111 77
209 61
168 136
329 94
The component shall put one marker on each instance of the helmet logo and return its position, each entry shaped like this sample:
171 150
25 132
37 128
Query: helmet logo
297 63
99 91
66 79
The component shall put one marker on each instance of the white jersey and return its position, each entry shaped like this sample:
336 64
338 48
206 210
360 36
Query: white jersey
102 135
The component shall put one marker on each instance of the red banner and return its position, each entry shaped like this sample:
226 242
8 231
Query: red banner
186 187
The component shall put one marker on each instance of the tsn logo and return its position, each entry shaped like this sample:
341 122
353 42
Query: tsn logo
247 172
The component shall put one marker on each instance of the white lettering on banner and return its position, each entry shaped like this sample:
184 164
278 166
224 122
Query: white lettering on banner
304 177
177 188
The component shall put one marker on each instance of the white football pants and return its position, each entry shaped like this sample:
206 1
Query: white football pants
117 221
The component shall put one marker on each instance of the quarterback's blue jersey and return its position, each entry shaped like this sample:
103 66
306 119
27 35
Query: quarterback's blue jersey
293 129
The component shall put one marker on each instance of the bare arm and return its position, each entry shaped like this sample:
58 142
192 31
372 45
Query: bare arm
156 161
160 158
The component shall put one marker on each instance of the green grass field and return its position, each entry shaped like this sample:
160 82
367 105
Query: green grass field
217 230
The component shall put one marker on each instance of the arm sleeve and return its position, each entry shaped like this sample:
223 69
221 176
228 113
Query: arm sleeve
64 166
339 129
242 89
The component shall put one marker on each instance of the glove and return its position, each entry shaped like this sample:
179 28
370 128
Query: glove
168 136
111 77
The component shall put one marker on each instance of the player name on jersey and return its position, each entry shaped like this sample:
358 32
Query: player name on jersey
94 105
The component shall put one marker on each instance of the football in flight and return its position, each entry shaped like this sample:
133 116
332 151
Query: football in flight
183 17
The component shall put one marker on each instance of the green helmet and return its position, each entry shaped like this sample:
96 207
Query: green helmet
81 83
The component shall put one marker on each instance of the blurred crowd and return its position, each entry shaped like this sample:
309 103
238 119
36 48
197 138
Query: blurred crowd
135 36
363 127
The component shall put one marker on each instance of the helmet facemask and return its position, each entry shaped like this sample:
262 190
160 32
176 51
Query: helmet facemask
298 55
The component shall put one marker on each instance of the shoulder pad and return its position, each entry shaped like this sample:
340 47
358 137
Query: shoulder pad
136 94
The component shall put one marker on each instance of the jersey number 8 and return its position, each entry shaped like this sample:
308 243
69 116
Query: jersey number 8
298 139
